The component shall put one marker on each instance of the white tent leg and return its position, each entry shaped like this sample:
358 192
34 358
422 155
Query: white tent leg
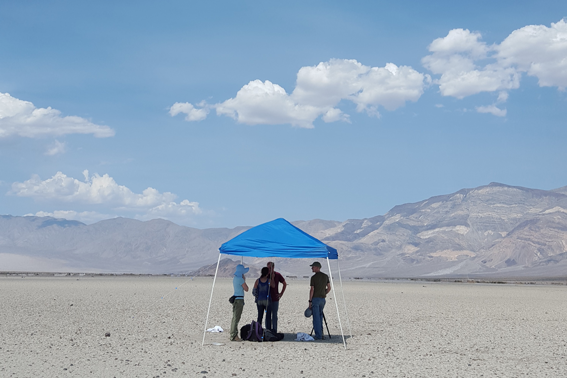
336 304
210 300
344 302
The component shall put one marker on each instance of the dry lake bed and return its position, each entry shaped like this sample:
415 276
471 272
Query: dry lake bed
140 326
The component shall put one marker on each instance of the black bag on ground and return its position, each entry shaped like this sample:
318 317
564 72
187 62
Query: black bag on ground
252 332
244 331
272 336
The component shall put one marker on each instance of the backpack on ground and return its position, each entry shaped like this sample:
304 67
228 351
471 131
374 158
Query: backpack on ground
272 336
252 332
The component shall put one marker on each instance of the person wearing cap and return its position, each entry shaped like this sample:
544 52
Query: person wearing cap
320 287
239 284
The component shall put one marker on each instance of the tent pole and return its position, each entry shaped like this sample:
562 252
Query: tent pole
336 304
210 300
344 301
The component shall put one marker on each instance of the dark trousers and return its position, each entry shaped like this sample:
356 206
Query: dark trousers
262 306
272 316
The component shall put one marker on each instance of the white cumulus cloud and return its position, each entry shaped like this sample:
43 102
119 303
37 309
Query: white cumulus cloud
539 51
22 118
104 191
266 103
318 92
461 62
468 66
390 87
456 57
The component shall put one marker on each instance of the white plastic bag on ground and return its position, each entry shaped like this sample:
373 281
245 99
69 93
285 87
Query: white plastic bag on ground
215 329
302 336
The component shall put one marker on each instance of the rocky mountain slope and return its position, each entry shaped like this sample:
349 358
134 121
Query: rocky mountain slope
492 230
114 245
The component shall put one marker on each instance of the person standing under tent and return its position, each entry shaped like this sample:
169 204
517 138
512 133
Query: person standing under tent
274 298
261 291
320 287
239 284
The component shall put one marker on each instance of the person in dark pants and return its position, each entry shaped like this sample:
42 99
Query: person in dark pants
240 286
320 287
261 291
274 299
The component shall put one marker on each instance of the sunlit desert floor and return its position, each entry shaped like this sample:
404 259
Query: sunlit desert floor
57 327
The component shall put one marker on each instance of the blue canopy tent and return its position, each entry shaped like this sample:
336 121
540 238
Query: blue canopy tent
278 238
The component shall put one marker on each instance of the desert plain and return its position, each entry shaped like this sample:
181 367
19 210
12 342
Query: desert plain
153 326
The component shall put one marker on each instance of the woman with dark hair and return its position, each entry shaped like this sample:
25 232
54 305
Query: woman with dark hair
261 291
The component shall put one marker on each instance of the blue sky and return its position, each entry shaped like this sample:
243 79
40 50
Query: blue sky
228 113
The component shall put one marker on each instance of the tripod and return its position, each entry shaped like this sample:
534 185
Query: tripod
326 325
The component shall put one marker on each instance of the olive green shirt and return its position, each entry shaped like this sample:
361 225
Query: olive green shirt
319 282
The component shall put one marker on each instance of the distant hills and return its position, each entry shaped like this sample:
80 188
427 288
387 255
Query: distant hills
495 230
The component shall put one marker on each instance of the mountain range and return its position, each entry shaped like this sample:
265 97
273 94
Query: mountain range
494 230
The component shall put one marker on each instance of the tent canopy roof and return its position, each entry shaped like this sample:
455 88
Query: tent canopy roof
277 238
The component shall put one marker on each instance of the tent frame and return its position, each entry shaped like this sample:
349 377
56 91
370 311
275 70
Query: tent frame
332 287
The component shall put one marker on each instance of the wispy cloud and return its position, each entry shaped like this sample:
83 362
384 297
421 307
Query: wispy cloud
56 149
492 109
192 113
87 217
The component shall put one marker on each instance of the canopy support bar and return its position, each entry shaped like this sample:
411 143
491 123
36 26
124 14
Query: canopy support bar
344 301
336 304
210 300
